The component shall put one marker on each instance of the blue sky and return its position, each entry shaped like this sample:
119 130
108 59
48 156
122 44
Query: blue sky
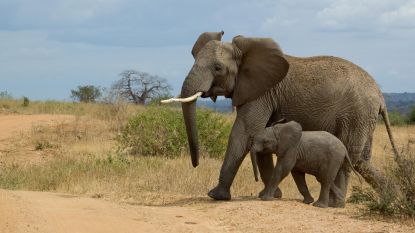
48 47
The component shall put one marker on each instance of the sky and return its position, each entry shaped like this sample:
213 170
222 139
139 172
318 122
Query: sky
48 47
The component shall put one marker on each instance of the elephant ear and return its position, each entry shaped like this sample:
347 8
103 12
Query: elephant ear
262 67
289 135
203 39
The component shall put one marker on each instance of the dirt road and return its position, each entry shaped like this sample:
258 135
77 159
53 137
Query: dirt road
25 211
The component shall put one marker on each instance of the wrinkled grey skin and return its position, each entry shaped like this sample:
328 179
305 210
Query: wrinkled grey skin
321 93
317 153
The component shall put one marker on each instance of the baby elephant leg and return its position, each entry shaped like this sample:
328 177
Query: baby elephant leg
299 178
323 200
281 170
266 166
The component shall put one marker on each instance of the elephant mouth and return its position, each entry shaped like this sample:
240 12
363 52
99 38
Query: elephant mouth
216 91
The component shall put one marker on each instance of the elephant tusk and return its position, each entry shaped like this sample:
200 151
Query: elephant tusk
183 100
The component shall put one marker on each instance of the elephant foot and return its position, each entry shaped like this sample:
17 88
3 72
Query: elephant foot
320 204
337 204
219 194
277 193
308 200
267 197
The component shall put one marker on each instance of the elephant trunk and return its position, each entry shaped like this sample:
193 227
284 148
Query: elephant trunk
196 81
189 115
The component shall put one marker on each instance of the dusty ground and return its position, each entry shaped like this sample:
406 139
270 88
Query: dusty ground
24 211
13 129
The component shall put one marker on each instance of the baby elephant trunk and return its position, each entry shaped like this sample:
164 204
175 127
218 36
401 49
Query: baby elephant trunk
254 163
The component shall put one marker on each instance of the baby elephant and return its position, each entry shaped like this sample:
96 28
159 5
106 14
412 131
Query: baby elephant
318 153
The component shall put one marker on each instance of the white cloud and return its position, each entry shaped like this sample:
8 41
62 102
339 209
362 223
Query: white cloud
404 16
370 15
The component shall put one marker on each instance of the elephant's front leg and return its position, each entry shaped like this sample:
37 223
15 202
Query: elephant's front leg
281 170
266 166
247 123
235 153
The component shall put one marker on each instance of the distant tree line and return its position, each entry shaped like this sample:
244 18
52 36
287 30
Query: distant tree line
133 86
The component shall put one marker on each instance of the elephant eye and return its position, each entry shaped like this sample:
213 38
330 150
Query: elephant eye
217 67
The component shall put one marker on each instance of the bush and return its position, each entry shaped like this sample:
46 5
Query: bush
161 131
397 119
25 101
411 118
398 197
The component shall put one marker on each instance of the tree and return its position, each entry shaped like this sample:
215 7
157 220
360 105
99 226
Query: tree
88 93
139 87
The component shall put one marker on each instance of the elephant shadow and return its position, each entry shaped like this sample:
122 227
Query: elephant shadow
189 201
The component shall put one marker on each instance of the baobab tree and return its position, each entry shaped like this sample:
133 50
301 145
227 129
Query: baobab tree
140 87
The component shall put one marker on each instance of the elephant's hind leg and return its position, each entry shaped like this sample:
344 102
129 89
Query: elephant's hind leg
266 166
323 199
339 197
372 175
341 182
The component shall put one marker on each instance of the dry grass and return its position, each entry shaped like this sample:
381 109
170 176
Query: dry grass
81 159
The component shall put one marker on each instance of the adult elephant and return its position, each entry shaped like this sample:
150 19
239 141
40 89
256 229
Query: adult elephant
321 93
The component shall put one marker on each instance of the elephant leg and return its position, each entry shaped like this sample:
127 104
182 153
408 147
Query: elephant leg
235 153
299 178
339 197
281 170
323 199
341 182
367 150
358 144
266 165
375 178
247 123
371 175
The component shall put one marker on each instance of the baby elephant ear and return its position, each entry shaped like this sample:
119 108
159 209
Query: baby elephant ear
262 66
290 135
204 39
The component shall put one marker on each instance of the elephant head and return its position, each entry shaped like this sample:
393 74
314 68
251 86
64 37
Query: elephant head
243 70
278 138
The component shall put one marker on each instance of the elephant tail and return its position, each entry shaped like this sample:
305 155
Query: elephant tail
349 161
384 113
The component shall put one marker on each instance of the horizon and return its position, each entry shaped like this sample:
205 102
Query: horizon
50 47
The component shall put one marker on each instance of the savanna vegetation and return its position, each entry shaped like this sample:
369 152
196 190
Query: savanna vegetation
138 154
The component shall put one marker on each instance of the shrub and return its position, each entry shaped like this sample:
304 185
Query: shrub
161 131
411 118
398 196
25 101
